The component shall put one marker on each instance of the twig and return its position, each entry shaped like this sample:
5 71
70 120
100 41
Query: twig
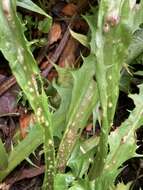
57 53
7 84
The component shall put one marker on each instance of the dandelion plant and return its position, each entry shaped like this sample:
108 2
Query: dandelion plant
93 163
110 39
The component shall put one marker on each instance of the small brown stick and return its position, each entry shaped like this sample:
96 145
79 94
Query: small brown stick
59 49
8 83
25 174
57 53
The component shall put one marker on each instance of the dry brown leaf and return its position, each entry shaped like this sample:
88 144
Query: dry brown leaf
55 33
68 57
70 9
8 101
4 186
24 174
25 121
52 75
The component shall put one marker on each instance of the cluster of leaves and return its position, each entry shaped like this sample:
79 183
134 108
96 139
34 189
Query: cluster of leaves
94 162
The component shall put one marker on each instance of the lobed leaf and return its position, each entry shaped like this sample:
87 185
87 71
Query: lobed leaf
110 40
84 98
122 143
23 150
24 67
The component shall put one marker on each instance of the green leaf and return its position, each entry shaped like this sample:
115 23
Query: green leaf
22 63
28 4
44 25
23 150
140 73
122 141
63 181
136 46
83 39
83 184
82 156
60 182
110 47
80 162
84 99
125 81
122 186
64 88
3 157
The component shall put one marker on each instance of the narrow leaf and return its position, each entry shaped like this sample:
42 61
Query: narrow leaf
3 157
80 37
28 4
